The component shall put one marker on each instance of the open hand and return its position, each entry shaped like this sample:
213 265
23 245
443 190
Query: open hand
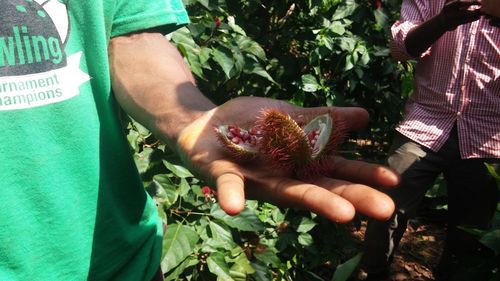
337 197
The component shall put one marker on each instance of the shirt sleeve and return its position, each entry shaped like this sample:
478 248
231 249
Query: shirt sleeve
413 13
136 15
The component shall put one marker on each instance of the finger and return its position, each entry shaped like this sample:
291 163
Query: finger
470 16
365 173
230 192
365 199
293 193
462 4
355 118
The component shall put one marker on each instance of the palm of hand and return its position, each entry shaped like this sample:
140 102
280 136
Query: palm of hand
336 198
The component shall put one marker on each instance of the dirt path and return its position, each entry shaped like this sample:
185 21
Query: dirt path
418 252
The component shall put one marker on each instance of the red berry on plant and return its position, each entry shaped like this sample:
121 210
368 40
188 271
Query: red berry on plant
217 22
206 190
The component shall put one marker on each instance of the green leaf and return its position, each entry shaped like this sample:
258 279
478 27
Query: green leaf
241 267
305 239
220 232
337 27
134 139
305 225
184 187
142 160
348 63
239 60
345 270
213 245
257 69
204 56
309 83
174 274
381 18
269 257
224 60
184 41
493 172
247 220
177 170
277 215
345 10
218 266
236 28
179 242
164 189
262 272
247 45
491 239
347 44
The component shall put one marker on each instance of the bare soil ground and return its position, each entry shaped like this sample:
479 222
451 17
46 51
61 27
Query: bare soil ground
418 252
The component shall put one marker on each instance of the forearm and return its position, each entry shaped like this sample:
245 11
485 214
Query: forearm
453 14
423 36
153 85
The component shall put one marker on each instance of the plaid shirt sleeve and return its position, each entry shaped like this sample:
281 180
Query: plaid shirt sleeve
413 13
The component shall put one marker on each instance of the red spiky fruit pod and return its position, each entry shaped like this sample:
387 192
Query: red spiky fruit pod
240 143
305 151
284 144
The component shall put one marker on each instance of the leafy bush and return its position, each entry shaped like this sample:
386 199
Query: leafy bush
310 53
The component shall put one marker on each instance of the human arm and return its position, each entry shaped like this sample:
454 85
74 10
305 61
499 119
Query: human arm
453 14
152 84
491 9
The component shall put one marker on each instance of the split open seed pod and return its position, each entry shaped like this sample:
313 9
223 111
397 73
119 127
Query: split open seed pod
240 143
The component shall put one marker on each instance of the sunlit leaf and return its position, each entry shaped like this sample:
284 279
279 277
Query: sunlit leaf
305 239
247 220
309 83
177 170
224 60
218 266
176 272
305 225
345 270
178 244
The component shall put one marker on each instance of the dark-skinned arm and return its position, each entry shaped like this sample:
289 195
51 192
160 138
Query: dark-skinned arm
152 84
454 14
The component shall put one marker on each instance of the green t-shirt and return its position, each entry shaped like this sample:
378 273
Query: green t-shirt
72 203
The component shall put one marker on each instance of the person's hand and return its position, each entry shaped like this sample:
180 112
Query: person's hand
491 10
458 12
336 197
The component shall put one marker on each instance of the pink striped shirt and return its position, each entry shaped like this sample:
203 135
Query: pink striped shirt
456 79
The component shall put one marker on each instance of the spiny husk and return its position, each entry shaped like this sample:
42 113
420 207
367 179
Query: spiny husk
241 152
285 145
315 169
283 142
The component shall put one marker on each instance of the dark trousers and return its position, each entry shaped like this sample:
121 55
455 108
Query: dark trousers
472 200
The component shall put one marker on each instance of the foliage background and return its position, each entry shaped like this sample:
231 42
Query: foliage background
310 53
